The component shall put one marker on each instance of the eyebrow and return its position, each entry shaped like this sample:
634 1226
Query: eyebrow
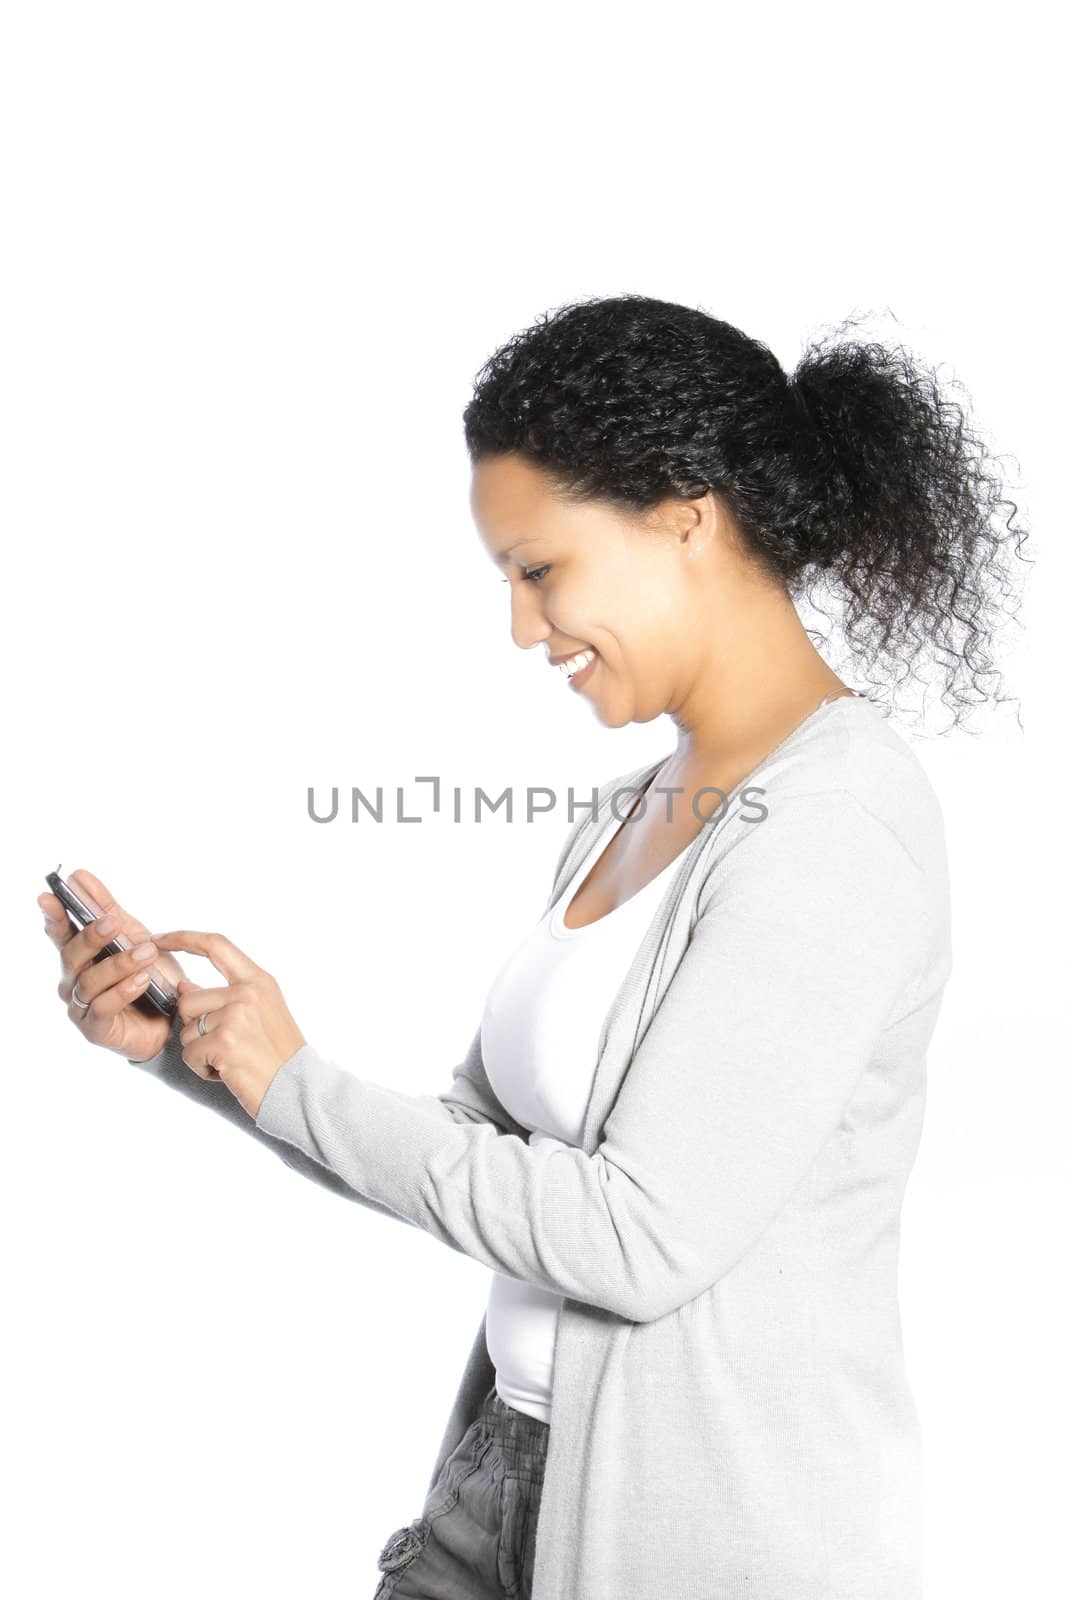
532 538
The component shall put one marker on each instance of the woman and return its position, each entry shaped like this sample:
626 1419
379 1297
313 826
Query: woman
681 1134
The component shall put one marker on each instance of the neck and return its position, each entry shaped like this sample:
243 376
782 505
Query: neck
755 691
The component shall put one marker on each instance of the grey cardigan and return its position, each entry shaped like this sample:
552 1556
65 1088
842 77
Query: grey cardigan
732 1415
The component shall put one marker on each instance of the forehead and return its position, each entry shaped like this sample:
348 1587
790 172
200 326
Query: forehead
511 497
520 511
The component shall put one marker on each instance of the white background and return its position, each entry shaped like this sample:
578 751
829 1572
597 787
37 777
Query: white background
254 256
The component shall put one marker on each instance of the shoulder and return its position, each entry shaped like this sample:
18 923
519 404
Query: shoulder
847 810
870 769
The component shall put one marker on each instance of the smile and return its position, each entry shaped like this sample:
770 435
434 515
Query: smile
578 668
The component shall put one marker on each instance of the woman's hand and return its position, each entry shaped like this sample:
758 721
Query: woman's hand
111 984
248 1030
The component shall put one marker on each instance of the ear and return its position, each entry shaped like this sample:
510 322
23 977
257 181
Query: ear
693 522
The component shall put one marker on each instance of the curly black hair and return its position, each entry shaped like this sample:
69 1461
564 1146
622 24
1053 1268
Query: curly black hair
856 471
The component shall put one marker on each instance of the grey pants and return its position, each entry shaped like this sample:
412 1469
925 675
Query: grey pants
475 1538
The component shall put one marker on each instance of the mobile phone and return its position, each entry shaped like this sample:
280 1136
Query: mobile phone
159 993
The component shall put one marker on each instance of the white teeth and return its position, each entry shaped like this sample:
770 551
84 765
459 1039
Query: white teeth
576 663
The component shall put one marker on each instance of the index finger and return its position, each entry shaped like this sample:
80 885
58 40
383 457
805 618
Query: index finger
223 954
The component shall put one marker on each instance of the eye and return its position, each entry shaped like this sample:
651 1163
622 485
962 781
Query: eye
534 575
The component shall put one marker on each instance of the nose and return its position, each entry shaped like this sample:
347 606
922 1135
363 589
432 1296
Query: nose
528 624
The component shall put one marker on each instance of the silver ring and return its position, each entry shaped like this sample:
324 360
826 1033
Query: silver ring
85 1004
201 1030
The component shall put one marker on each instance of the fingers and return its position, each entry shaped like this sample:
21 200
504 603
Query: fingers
99 900
57 924
93 891
223 954
84 945
206 1003
202 1003
107 985
94 986
107 999
187 987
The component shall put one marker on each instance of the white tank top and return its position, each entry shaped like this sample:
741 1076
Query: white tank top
540 1036
540 1039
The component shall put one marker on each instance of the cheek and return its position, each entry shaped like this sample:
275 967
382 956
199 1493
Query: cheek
628 610
581 611
667 614
643 620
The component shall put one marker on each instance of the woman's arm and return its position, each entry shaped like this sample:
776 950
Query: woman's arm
470 1100
813 940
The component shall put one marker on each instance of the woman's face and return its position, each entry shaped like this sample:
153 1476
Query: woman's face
638 591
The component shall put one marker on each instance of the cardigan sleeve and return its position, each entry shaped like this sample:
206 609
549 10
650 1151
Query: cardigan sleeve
809 945
469 1100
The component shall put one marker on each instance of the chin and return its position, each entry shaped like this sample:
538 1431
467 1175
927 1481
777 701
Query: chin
606 719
